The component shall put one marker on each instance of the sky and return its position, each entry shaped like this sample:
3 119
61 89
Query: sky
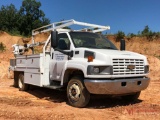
129 16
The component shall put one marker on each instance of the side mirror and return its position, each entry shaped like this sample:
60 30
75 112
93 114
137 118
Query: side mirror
122 45
71 53
54 38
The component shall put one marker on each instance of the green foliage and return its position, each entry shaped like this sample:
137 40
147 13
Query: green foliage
130 35
31 16
120 35
149 34
22 21
9 18
2 47
139 34
146 32
157 35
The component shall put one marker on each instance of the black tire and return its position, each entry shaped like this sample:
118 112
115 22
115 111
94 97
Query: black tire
22 86
15 82
131 97
77 94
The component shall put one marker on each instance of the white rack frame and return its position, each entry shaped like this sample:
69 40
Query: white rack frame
66 23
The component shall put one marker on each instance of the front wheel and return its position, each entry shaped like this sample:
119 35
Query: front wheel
22 86
77 94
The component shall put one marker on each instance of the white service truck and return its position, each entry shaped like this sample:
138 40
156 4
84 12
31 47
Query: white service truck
83 62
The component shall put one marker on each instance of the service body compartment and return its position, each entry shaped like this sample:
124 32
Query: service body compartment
33 78
21 61
31 65
34 61
29 61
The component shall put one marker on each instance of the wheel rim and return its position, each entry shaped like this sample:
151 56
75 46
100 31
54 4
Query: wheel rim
20 84
74 92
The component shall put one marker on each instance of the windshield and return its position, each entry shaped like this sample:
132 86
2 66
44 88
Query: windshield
91 40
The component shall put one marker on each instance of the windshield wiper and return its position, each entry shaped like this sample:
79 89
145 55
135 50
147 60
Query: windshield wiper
108 47
89 46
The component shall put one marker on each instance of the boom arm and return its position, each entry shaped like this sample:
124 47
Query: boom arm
19 49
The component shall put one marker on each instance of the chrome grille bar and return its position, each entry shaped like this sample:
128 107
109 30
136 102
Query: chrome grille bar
120 66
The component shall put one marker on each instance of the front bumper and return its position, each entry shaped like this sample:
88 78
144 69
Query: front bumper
116 86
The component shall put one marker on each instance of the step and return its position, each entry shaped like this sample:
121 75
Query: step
53 86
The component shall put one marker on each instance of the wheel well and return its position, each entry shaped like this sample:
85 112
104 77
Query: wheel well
72 72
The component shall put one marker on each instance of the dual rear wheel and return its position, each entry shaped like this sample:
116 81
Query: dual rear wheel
22 86
19 82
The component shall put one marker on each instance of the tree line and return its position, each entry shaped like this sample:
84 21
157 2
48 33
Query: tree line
146 32
24 20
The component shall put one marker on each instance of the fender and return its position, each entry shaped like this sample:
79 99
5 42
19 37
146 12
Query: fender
72 65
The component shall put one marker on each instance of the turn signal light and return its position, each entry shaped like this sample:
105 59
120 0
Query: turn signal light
90 58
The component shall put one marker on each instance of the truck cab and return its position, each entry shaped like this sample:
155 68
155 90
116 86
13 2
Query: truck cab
83 62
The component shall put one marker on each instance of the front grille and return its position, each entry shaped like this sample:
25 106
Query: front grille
121 66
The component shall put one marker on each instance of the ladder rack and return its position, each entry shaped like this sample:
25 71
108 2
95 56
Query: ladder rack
66 23
60 25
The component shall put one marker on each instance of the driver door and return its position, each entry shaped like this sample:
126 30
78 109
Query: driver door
59 59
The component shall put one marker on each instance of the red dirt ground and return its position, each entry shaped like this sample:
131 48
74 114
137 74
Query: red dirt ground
41 104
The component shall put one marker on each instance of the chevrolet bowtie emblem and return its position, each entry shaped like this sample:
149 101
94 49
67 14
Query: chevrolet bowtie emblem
131 67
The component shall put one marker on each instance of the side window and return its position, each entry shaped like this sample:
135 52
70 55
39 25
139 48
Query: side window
63 42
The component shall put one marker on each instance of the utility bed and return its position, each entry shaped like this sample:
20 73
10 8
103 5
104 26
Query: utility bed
33 68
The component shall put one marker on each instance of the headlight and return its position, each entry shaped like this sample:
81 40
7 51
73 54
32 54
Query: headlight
99 70
96 70
146 69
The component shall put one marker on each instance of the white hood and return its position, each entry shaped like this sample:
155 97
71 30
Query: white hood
117 53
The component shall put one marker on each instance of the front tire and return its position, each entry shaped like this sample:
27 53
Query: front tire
22 86
77 94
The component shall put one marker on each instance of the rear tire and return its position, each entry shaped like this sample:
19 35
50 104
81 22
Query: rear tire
15 82
22 86
132 97
77 94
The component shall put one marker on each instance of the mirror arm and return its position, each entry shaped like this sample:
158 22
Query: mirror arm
122 45
69 53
